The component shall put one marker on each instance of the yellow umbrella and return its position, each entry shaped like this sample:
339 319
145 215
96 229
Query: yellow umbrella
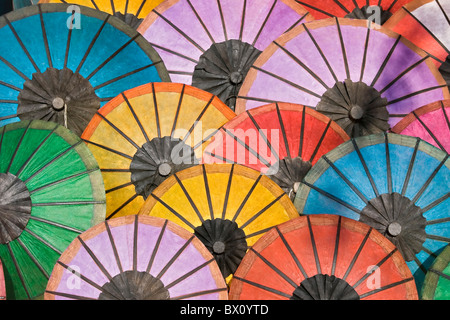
146 134
132 12
227 206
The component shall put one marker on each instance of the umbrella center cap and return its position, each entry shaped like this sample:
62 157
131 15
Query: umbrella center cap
394 229
58 104
15 207
236 77
164 169
219 247
405 216
356 112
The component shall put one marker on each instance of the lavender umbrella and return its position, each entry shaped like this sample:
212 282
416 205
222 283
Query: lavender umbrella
363 76
212 44
136 258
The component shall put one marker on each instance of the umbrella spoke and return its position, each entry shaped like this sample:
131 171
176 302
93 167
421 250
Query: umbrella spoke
174 258
261 133
207 191
31 256
56 224
292 84
30 58
156 247
178 215
18 270
274 268
119 131
314 247
178 54
427 183
410 167
386 60
188 197
177 113
13 68
227 192
180 31
344 53
197 294
256 215
291 252
188 274
125 75
51 184
53 160
198 118
429 131
389 286
123 205
109 149
304 66
416 93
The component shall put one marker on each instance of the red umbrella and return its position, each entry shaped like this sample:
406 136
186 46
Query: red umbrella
212 44
323 257
430 123
282 140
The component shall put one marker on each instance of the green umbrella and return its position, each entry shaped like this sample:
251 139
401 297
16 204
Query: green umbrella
51 190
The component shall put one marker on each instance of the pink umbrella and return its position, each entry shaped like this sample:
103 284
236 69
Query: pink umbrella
430 123
212 44
136 258
364 78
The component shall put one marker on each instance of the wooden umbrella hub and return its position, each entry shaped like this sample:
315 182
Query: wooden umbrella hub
399 220
225 240
324 287
358 108
61 96
223 67
15 207
134 285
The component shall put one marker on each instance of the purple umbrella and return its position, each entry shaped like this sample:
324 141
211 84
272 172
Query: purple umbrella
136 258
212 44
363 76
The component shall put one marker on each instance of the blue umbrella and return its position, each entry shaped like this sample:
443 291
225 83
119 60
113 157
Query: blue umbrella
17 4
61 65
399 185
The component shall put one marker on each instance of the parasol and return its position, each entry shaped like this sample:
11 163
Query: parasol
397 184
51 190
323 257
227 206
362 9
17 4
146 134
136 258
63 66
426 23
132 12
212 44
437 281
284 141
364 78
430 123
2 283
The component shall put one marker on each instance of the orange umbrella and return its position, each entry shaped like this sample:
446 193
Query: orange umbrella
323 257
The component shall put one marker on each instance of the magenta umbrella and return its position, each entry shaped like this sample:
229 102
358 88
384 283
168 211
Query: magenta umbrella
212 44
136 258
363 76
430 123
